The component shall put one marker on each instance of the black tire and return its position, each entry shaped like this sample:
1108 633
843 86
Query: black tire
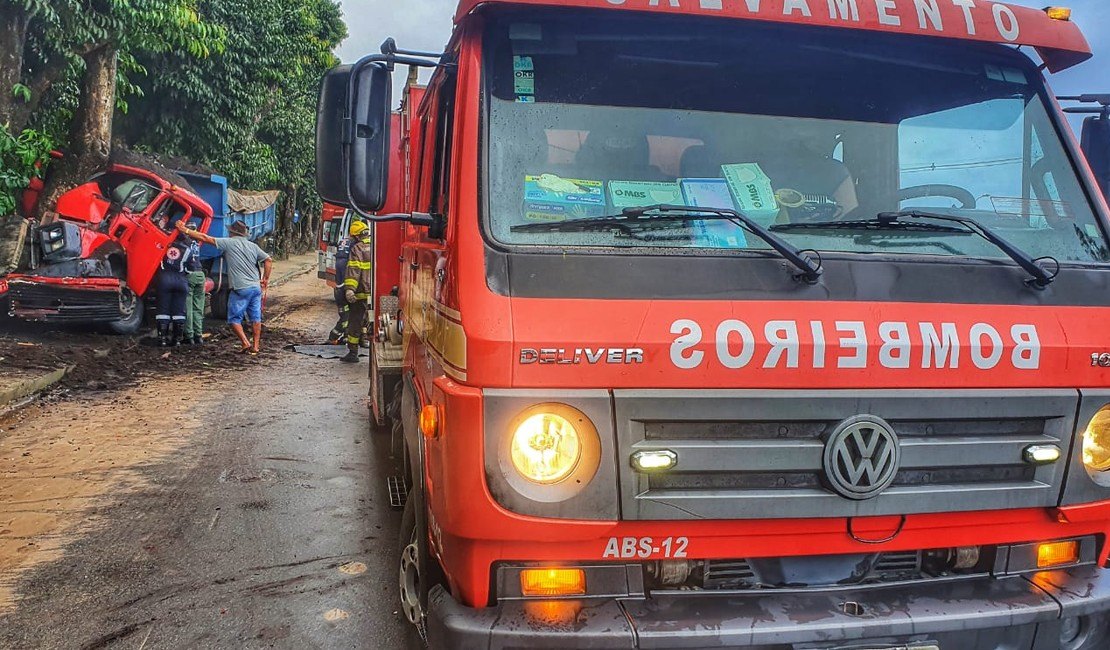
133 321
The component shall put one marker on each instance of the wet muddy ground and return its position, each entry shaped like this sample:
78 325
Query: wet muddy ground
240 504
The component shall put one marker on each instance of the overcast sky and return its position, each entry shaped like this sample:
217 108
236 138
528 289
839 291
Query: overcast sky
426 25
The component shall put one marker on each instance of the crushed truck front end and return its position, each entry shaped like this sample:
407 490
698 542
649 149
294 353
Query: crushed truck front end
847 388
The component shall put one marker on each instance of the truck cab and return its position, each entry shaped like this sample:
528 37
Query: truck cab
745 324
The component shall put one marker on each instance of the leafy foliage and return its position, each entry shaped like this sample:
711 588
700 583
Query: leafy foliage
248 111
21 159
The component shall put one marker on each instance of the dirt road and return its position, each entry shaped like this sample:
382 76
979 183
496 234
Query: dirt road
220 506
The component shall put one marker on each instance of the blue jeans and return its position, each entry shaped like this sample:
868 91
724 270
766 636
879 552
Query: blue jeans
245 303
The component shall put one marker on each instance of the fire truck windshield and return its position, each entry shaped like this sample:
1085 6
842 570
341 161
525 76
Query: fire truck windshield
590 114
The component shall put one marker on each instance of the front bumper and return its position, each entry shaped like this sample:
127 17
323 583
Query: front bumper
1012 613
59 300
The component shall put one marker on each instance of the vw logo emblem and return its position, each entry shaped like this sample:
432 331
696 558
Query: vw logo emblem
861 457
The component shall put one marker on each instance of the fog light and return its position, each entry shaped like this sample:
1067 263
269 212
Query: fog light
553 582
1058 13
1053 554
654 460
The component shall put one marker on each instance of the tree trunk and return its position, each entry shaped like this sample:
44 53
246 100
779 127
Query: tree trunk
284 234
13 38
91 132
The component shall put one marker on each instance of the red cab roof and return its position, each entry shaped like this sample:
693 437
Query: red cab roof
1060 43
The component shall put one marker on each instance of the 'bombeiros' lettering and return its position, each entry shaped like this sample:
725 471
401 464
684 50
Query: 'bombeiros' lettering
848 344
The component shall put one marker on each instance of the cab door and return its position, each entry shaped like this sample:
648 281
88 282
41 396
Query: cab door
145 236
432 348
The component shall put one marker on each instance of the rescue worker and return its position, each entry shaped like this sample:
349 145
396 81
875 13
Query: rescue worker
358 286
194 302
342 253
173 288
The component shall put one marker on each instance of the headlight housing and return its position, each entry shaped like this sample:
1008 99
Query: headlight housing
1096 442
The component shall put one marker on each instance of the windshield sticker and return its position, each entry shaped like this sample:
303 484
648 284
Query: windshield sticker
638 194
524 79
752 191
552 198
524 82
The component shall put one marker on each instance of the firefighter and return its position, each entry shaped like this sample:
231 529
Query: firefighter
173 290
357 286
342 253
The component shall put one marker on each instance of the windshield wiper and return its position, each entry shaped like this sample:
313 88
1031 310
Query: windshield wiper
632 219
891 221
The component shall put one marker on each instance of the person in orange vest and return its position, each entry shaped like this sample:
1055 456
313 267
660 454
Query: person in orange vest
358 283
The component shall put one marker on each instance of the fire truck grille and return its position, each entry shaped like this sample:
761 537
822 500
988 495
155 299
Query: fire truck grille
770 573
761 454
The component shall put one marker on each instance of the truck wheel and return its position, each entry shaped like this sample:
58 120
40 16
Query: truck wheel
418 570
133 320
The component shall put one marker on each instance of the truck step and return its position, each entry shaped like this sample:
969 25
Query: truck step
397 492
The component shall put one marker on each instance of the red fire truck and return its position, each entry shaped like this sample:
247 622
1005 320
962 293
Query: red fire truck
735 323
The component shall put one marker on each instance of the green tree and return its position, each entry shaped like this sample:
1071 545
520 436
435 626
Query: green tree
248 111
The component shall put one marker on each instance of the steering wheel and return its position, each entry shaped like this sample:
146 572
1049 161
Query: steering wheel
966 198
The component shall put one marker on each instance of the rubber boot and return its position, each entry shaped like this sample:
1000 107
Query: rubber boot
163 334
198 339
352 355
178 332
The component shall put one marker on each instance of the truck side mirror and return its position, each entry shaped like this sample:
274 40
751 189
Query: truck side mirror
1096 146
352 135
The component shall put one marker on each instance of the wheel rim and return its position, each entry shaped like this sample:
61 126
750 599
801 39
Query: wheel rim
128 299
410 586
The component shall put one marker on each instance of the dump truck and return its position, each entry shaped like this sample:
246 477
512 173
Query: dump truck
735 323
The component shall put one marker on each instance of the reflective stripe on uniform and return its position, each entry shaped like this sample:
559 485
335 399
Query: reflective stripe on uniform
355 264
351 282
354 340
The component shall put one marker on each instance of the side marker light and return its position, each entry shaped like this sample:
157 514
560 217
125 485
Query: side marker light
553 582
1053 554
429 421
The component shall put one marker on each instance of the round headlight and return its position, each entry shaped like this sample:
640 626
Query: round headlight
545 448
1096 442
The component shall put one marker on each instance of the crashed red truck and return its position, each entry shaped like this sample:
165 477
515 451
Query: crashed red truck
93 257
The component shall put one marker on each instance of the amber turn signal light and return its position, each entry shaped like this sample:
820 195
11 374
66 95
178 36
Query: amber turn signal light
553 582
1052 554
1058 13
429 421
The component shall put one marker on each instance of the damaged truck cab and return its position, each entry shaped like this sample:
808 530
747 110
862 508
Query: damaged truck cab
771 324
93 258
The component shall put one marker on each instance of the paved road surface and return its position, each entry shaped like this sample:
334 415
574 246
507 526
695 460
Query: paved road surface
247 511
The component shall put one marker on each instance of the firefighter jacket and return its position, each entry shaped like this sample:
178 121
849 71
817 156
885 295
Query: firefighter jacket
360 273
